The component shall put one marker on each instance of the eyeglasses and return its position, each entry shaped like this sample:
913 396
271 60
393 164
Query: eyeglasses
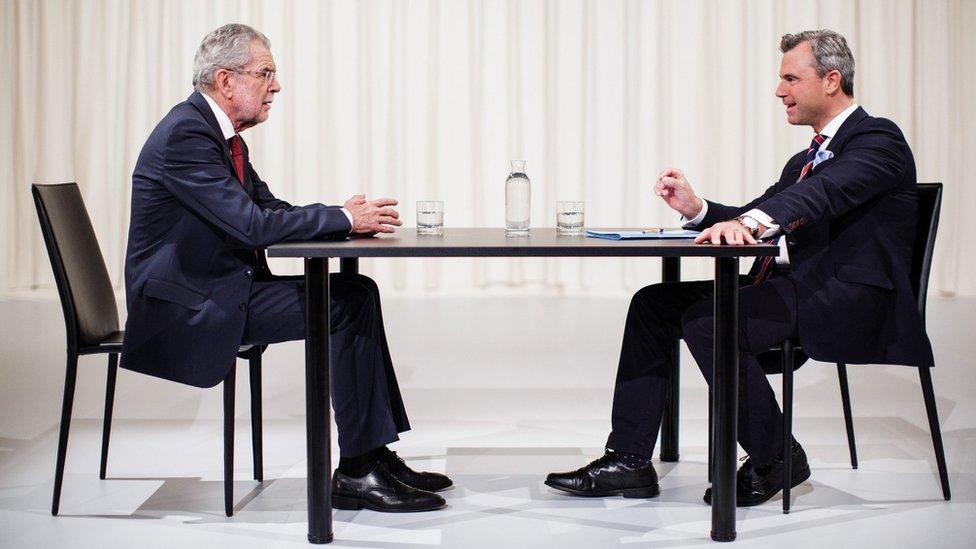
267 75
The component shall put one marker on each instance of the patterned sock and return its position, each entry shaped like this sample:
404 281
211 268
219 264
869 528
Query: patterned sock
633 461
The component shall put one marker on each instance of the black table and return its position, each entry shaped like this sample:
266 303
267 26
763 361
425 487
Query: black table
540 243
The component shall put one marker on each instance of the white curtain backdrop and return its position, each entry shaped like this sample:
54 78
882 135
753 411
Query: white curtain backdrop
431 99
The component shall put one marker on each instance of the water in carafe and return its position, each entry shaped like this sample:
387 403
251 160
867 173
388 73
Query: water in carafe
518 201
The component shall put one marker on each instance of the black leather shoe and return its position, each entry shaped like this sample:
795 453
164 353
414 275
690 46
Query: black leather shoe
607 476
755 485
431 482
380 491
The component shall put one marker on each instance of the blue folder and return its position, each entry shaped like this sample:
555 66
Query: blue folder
643 235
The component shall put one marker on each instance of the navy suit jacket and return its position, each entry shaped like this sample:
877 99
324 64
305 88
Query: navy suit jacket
849 228
196 240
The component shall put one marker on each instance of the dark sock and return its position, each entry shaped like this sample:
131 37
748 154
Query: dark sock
358 466
382 453
634 461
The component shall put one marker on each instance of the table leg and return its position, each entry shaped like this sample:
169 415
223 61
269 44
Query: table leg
671 272
725 390
317 410
349 265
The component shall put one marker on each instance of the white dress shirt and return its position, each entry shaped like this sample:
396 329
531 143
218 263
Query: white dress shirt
772 228
227 129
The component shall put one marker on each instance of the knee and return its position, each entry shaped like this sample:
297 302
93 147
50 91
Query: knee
353 299
365 282
651 293
648 297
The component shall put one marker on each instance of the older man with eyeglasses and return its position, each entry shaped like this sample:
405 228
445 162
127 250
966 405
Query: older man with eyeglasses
198 285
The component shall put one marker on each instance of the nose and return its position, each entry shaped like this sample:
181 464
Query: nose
275 86
781 89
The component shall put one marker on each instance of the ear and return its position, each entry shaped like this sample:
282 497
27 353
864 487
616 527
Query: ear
222 83
831 82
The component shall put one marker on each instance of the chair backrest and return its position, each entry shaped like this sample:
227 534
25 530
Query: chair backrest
929 204
87 298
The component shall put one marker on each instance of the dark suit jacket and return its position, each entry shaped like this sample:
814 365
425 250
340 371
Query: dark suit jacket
193 237
849 227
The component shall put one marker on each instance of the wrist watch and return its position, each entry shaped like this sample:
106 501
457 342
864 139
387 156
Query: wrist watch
749 223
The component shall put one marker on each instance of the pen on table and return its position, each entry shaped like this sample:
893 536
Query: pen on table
655 230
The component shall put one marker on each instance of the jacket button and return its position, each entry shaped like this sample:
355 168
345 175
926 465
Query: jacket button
242 306
248 273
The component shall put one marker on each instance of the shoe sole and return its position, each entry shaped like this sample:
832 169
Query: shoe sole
799 478
642 493
347 503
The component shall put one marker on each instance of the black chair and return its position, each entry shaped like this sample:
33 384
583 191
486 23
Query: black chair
92 327
929 205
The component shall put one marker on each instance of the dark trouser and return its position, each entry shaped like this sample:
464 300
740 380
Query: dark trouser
368 408
662 313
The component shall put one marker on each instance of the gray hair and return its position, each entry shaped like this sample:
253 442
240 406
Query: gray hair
228 47
830 52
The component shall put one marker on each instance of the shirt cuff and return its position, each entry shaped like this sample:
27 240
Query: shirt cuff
772 228
348 216
692 223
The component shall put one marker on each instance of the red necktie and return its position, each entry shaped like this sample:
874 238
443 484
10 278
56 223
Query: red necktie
237 151
765 270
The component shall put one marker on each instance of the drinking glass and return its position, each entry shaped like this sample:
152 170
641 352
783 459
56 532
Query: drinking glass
569 218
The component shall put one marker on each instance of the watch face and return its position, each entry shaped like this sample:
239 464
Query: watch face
750 224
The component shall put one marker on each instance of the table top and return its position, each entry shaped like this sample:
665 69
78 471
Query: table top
492 242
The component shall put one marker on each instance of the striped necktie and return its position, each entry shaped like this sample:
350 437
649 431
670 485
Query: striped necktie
811 154
766 269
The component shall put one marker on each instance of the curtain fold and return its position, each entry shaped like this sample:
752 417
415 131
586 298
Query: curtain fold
425 99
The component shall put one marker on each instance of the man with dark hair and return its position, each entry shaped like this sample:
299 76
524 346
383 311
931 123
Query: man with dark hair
843 213
198 286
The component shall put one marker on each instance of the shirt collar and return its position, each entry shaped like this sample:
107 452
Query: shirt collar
831 128
226 126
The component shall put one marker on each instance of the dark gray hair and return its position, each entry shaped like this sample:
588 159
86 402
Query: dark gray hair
228 47
830 52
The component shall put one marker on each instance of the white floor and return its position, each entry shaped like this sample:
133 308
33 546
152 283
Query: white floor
500 391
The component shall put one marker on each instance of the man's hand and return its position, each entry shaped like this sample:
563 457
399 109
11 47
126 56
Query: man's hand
731 232
672 186
373 216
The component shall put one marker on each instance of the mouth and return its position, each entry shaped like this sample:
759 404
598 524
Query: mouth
790 106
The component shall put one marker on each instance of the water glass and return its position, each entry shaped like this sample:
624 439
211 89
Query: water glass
569 218
430 217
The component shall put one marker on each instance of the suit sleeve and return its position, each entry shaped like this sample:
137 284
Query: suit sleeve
720 212
263 196
872 162
195 174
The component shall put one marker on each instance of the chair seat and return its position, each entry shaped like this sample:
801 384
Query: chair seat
770 360
113 344
110 344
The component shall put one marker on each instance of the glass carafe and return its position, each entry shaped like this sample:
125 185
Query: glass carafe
518 200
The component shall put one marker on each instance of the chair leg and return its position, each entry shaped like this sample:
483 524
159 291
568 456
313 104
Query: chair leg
113 370
669 423
787 424
71 374
925 375
710 434
257 437
229 443
845 398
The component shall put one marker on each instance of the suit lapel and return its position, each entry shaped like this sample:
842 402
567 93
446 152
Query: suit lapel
198 101
839 139
248 184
